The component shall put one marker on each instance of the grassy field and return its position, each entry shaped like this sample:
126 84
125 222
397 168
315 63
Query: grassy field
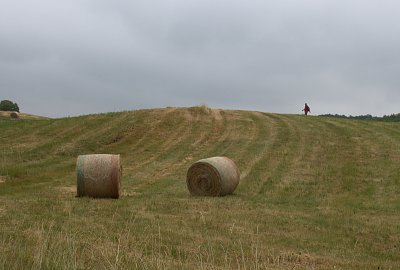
5 115
315 193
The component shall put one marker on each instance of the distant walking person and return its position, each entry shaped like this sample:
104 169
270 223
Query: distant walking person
306 109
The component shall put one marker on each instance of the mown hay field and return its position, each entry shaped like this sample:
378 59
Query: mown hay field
315 193
4 115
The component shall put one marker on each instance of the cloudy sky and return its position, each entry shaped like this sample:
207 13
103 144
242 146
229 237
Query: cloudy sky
72 57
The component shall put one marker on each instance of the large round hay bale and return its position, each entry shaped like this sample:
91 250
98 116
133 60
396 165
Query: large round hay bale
216 176
98 176
14 115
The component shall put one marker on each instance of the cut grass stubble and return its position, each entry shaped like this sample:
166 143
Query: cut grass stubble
315 193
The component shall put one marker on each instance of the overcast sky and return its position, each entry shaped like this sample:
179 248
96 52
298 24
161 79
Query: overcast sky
72 57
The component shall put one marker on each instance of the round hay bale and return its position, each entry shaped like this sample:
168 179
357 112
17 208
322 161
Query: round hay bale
98 176
216 176
14 115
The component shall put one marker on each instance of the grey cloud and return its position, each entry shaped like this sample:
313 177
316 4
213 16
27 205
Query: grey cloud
74 57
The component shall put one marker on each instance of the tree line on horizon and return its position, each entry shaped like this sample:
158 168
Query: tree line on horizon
386 118
8 105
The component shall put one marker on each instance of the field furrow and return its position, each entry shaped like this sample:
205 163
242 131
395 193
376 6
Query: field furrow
315 192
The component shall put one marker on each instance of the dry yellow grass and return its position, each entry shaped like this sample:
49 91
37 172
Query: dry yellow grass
315 193
2 179
25 116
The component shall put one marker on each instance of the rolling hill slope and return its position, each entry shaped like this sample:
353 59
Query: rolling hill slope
5 115
315 193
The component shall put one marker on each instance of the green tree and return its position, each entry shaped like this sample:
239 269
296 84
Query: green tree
8 105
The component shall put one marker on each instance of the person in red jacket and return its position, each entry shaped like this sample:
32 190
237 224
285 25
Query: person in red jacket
306 109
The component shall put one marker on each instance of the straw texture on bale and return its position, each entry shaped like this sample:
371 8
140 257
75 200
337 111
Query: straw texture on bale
14 115
216 176
98 176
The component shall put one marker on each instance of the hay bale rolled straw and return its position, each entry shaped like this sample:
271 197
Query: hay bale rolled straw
216 176
98 176
14 115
